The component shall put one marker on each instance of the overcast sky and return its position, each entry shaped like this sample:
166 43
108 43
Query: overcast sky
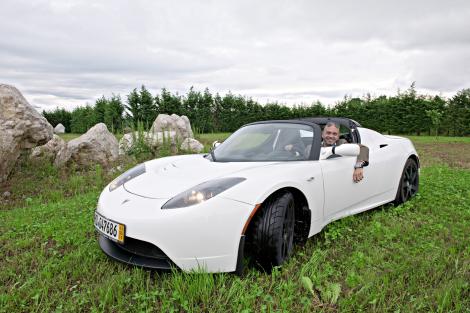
69 53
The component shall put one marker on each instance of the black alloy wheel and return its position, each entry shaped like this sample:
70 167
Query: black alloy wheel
272 232
288 231
409 182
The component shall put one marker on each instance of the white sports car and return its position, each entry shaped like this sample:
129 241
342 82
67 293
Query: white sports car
249 195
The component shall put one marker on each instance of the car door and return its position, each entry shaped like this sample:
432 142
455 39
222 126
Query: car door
341 193
382 171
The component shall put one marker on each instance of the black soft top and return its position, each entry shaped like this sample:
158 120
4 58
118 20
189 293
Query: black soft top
349 123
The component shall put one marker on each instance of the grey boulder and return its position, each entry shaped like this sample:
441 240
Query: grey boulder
176 123
59 129
21 128
96 146
50 150
191 144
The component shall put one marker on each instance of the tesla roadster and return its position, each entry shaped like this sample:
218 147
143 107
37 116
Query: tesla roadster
250 194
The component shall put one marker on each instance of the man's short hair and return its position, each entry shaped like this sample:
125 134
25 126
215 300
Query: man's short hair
331 124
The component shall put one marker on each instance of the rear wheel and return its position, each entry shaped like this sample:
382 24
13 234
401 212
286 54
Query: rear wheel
409 182
273 230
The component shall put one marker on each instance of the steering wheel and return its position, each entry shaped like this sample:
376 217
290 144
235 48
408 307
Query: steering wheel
294 151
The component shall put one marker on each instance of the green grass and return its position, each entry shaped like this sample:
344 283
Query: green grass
209 138
69 136
439 139
410 258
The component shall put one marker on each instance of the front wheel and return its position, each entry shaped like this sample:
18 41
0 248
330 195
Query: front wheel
273 230
409 182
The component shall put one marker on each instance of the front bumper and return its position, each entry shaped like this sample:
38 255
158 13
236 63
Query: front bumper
203 237
125 254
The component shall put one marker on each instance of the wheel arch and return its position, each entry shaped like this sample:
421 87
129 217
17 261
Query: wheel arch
415 158
412 156
302 212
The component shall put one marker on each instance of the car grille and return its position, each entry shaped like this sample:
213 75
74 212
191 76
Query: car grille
142 248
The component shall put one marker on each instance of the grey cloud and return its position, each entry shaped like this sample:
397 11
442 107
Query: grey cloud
442 70
76 51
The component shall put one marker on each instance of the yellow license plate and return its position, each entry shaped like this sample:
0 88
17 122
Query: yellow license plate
111 229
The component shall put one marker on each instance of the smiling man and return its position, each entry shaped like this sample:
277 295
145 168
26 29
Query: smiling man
330 136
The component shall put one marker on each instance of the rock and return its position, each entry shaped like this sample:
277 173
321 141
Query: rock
50 150
192 145
21 128
59 129
125 144
188 126
96 146
173 148
6 194
153 140
178 124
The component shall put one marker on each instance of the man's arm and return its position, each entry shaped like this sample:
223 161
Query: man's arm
362 160
363 155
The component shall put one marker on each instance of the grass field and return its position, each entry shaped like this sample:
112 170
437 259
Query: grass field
410 258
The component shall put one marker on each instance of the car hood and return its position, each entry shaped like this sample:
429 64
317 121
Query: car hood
166 177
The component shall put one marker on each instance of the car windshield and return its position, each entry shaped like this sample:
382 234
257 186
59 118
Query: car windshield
267 142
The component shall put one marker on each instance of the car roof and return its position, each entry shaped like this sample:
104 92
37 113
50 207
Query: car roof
323 120
320 120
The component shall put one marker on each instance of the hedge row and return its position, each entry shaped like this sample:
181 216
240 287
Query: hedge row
404 113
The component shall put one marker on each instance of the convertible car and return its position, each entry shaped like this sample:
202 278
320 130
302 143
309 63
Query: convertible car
249 195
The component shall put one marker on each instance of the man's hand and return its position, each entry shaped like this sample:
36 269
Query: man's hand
358 174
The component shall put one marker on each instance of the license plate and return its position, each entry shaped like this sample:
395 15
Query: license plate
109 228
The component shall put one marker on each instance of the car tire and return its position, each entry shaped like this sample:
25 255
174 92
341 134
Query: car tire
273 230
409 182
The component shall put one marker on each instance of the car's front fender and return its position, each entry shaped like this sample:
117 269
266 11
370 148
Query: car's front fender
260 183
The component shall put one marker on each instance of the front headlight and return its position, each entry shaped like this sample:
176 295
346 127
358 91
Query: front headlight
202 192
126 176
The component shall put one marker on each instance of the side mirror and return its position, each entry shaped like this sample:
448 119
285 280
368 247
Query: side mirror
215 144
347 149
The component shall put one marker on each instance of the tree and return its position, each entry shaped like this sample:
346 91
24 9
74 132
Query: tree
100 108
134 114
57 116
168 103
147 107
435 117
113 113
83 118
458 115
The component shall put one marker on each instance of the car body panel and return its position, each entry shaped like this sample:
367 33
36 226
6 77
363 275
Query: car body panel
166 177
204 235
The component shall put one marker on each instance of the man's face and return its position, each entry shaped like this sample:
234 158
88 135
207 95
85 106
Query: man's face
330 135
